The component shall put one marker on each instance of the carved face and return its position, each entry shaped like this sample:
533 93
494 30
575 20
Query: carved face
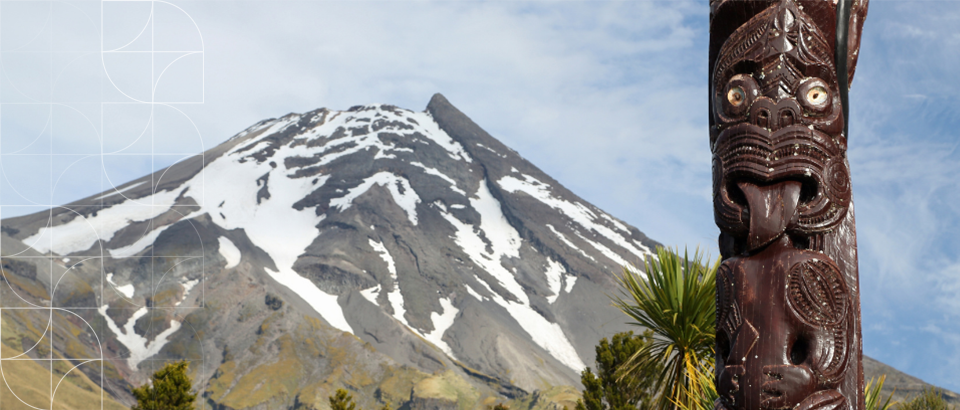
777 116
777 358
787 301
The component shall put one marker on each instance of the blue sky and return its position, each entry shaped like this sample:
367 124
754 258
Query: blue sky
607 97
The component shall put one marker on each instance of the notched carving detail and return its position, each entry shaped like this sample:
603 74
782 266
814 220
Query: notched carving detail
817 293
787 303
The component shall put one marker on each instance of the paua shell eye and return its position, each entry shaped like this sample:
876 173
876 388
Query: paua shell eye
738 95
814 95
817 95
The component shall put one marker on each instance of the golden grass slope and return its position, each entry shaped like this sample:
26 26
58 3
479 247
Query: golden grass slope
29 383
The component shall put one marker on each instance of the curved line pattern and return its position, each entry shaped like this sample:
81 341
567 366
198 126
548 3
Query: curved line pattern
100 136
62 173
7 281
54 395
142 133
39 32
156 83
39 134
142 30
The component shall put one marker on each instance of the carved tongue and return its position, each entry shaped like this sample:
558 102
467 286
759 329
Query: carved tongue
773 208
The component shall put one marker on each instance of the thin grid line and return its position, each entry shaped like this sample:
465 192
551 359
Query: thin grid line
103 171
132 154
51 259
110 103
50 115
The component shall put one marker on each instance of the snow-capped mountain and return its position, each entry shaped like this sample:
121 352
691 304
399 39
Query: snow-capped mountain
416 232
407 256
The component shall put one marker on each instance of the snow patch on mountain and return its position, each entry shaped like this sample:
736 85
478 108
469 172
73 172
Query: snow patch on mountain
605 251
394 296
361 142
435 172
575 211
334 134
140 348
187 286
229 251
273 225
474 293
141 244
568 243
569 281
82 232
144 241
554 274
399 188
503 239
442 322
125 290
385 255
505 242
371 294
432 130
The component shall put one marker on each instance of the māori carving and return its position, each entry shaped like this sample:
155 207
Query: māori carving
788 305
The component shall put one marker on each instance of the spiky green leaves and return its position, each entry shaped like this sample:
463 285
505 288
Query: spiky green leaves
676 301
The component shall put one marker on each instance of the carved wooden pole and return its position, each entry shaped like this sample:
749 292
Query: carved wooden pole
788 302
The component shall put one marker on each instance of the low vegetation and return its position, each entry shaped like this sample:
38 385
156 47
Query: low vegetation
168 389
930 399
677 303
606 390
341 400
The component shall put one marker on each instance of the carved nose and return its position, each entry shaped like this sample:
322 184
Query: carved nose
773 209
774 116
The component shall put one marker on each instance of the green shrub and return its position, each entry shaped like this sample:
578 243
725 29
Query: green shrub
341 400
930 399
169 389
607 390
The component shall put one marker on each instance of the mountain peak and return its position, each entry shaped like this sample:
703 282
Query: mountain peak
417 232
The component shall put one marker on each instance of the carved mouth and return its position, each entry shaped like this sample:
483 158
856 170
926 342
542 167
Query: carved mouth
748 153
794 152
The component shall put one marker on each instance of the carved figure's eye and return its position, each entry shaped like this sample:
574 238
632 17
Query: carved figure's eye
736 96
817 95
814 95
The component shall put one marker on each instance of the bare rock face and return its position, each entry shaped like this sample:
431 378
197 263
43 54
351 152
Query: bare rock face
407 256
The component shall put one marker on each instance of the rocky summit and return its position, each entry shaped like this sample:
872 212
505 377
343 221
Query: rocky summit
408 257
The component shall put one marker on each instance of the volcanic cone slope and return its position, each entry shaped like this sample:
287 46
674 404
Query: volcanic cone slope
273 259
